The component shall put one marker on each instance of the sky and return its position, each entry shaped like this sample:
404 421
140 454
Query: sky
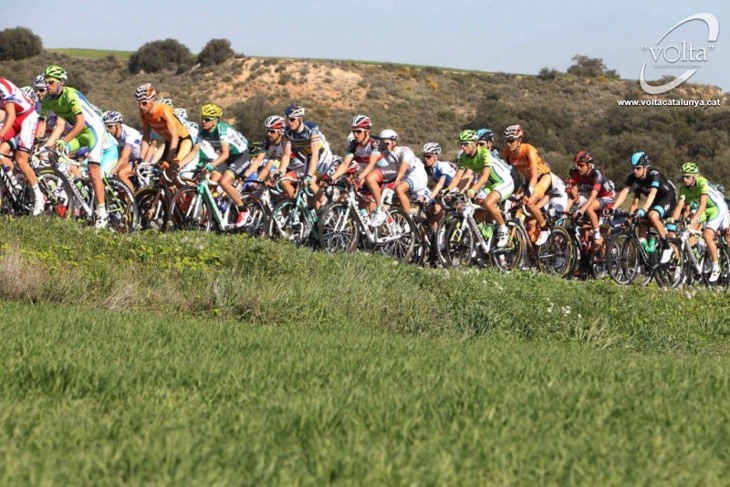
489 35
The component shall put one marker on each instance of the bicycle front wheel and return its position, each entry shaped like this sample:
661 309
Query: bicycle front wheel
58 192
338 230
121 207
188 211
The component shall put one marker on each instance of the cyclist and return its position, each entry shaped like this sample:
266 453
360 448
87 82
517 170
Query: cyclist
536 172
712 211
19 127
411 181
130 142
272 148
660 198
485 138
305 141
491 183
393 157
591 190
359 148
161 118
233 158
86 132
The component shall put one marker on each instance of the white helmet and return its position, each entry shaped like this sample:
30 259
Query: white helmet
39 82
388 134
181 113
112 117
29 93
431 148
275 122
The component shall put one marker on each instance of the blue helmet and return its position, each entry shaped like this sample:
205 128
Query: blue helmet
485 134
639 159
294 111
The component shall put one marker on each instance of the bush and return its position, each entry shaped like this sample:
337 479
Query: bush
547 74
158 55
19 43
216 51
587 67
251 113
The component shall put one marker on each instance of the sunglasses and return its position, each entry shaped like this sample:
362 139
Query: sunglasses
41 90
272 131
509 141
293 119
464 144
208 119
482 143
144 103
428 156
582 164
687 176
51 81
638 168
358 131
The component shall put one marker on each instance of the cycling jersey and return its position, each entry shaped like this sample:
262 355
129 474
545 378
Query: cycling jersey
9 93
361 153
67 106
158 119
442 169
129 137
222 134
301 145
653 179
594 180
701 186
526 159
499 172
273 151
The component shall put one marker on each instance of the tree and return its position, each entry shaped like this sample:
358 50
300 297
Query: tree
587 67
19 43
216 51
158 55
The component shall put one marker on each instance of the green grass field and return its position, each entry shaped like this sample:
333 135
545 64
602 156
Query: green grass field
206 360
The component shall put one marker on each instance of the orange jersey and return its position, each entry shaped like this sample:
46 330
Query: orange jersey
159 118
526 159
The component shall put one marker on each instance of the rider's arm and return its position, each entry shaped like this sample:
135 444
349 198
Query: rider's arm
56 132
589 201
700 210
124 155
314 158
678 209
285 158
457 177
146 129
401 172
77 128
621 196
439 185
174 137
223 156
650 199
254 166
374 157
9 119
190 155
343 167
476 187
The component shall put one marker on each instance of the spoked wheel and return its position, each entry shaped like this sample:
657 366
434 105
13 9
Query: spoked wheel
398 235
456 241
338 230
121 207
257 224
508 258
671 273
558 255
189 212
622 258
88 200
154 209
288 222
58 192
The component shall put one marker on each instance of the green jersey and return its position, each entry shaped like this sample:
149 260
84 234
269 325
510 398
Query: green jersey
224 133
701 186
499 172
71 103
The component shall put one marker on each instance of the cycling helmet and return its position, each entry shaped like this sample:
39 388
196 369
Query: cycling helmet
181 113
111 117
39 82
294 111
361 122
720 188
690 168
388 134
146 92
165 101
29 93
639 159
485 134
431 148
584 157
275 122
513 132
467 136
56 72
211 110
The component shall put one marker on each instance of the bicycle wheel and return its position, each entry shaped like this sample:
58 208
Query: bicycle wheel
338 228
84 200
288 222
397 235
458 242
558 255
58 192
724 261
121 207
154 209
508 258
622 258
671 273
189 211
258 222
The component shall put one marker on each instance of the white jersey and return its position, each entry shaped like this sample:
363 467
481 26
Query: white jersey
402 155
129 137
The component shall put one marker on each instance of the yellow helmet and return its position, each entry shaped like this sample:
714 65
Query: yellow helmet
211 110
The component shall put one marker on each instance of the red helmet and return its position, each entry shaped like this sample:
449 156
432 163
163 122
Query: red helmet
361 122
584 157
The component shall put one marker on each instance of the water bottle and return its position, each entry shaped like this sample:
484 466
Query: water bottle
364 215
651 244
222 204
486 229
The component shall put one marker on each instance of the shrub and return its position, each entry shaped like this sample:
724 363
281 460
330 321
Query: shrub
587 67
548 74
158 55
216 51
19 43
251 113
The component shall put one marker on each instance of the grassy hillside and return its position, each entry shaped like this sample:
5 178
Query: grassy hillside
199 359
91 53
560 116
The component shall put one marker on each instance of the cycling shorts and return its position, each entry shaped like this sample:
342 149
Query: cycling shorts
236 164
665 206
184 146
22 133
90 139
109 159
505 190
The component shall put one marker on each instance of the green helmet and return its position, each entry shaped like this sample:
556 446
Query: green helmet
56 72
690 168
468 136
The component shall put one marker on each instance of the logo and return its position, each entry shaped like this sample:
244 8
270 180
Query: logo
680 56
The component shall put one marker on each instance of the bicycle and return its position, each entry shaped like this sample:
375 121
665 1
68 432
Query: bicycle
698 261
195 208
